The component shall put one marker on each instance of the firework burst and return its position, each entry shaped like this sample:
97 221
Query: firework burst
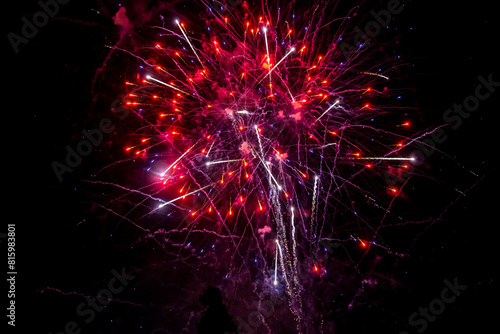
253 132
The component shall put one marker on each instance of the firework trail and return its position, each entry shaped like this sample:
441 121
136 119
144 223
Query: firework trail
253 118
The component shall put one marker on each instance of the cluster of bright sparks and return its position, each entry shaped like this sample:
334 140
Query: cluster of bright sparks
246 123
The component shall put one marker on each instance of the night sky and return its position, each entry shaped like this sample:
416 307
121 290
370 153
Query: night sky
69 247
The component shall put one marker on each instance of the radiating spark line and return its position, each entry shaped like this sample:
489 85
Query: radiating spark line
275 66
376 74
330 144
380 158
176 161
267 51
210 148
189 42
180 197
165 84
333 105
222 161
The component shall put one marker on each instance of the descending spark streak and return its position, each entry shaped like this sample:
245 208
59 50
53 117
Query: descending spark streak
276 266
293 237
264 163
281 256
294 252
258 137
313 213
